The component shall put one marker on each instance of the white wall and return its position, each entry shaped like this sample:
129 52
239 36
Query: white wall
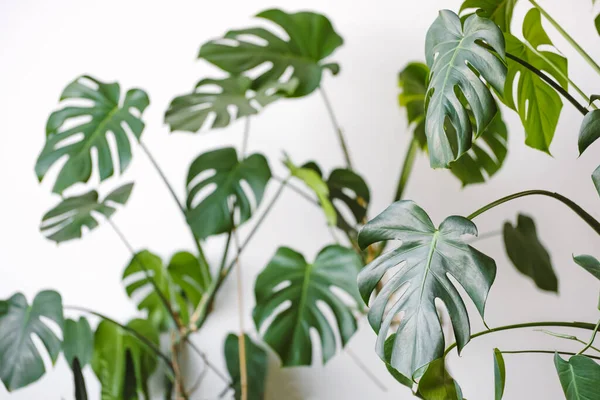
45 44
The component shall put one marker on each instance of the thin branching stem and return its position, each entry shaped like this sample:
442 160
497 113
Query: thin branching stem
566 353
591 342
336 126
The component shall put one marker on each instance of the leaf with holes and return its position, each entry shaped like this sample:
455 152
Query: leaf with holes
350 189
537 104
311 39
528 254
256 367
499 11
302 288
579 377
223 176
78 341
427 258
67 220
181 282
458 64
106 114
190 112
413 85
437 384
20 361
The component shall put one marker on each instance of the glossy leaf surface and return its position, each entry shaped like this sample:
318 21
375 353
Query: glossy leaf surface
590 130
589 263
499 11
579 377
256 367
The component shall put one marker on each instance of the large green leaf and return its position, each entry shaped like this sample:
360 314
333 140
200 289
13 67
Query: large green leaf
437 384
427 257
181 282
213 179
256 367
589 263
579 377
289 281
499 11
388 349
121 362
528 254
92 125
311 40
413 85
499 375
217 97
458 63
68 219
20 361
537 104
590 130
78 341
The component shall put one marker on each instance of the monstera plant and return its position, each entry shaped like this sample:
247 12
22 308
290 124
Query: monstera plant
453 101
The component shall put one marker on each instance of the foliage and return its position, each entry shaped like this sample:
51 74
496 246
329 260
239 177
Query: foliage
256 365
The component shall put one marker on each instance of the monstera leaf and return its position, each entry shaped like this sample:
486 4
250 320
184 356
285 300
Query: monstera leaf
413 85
191 111
106 114
499 11
528 254
348 188
121 362
224 176
78 342
579 377
256 367
311 40
289 281
20 361
458 63
427 257
537 104
181 282
67 220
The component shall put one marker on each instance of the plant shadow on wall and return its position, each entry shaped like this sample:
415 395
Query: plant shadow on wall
452 101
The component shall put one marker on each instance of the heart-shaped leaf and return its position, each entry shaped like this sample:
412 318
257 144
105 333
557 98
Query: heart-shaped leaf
311 39
289 281
437 384
528 254
499 11
579 377
499 375
216 176
190 112
413 85
20 361
427 258
68 219
537 104
92 125
458 63
256 367
78 341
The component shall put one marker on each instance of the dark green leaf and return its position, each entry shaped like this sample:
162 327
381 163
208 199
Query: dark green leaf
426 256
499 11
78 341
388 348
79 381
256 367
106 114
499 375
590 130
537 104
437 384
288 278
589 263
528 254
579 377
190 111
458 64
311 39
210 213
413 85
596 179
67 220
20 361
349 188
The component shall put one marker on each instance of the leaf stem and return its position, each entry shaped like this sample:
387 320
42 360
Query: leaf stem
407 166
579 325
591 342
567 37
566 353
337 128
241 337
591 221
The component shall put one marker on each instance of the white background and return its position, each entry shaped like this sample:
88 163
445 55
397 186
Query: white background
152 45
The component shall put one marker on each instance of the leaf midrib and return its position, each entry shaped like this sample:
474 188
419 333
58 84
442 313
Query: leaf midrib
303 296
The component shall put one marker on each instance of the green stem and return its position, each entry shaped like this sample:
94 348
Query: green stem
126 328
337 128
591 221
568 337
407 166
579 325
566 353
591 342
567 37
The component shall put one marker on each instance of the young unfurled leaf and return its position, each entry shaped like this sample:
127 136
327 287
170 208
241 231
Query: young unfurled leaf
528 254
458 64
221 174
78 341
537 104
289 279
20 361
67 220
499 375
579 377
499 11
426 256
107 114
256 367
311 40
437 384
190 112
